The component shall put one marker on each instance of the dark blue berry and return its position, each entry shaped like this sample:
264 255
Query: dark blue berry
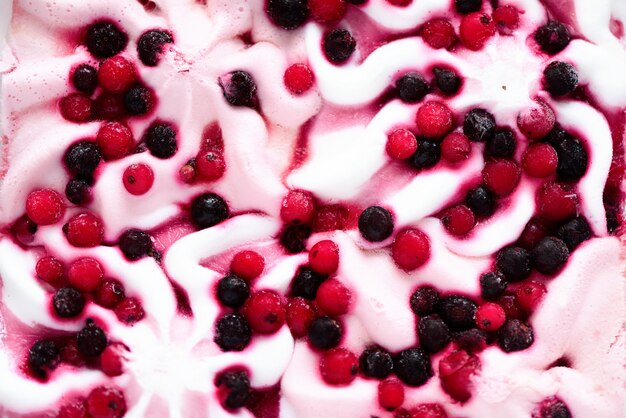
160 139
306 282
376 362
447 81
288 14
457 312
138 100
85 79
135 244
78 191
68 302
502 144
413 367
553 37
293 238
481 201
232 332
574 232
479 125
553 407
82 159
549 255
433 333
467 6
560 78
91 340
232 291
376 224
492 285
208 210
43 356
237 384
104 39
471 340
514 263
424 300
515 335
238 88
427 155
412 87
325 333
339 45
573 158
150 46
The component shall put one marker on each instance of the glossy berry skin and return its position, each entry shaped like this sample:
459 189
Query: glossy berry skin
208 210
287 14
91 340
459 220
515 335
438 33
540 160
455 147
447 81
390 394
552 407
232 291
529 295
105 39
502 145
426 156
557 202
78 192
481 201
300 315
106 402
43 357
376 224
456 371
411 249
247 264
210 165
135 244
479 125
412 87
514 263
297 206
115 140
457 312
376 362
82 158
239 88
138 179
45 206
338 366
306 283
501 176
467 6
138 100
493 285
536 121
233 388
506 18
412 366
68 302
84 230
49 269
433 333
553 37
476 29
160 139
549 256
76 107
265 312
560 78
111 361
232 332
116 75
298 79
109 294
150 46
325 333
324 257
74 409
85 79
24 230
333 298
327 11
573 157
574 232
490 316
424 300
434 119
85 274
339 45
129 311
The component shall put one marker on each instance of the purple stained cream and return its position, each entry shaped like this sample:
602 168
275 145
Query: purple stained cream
307 209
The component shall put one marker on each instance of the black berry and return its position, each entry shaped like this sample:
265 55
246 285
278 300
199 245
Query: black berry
232 332
467 6
574 232
412 87
514 263
376 224
339 45
325 333
232 291
237 386
238 88
150 46
479 125
293 238
427 155
104 40
515 335
433 333
208 209
560 78
447 81
481 201
78 191
552 407
138 100
68 302
502 144
85 79
573 158
82 159
413 367
135 244
376 362
288 14
492 285
160 139
91 340
306 282
553 37
471 340
43 356
549 255
457 312
424 300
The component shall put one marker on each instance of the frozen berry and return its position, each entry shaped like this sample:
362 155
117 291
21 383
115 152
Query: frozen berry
208 210
339 366
85 274
501 176
111 361
481 201
91 340
49 269
572 155
324 257
560 78
288 14
376 224
339 45
298 79
434 119
300 314
510 306
533 232
73 409
549 255
490 316
293 238
247 264
455 147
325 333
456 371
459 220
160 138
427 155
552 407
232 291
540 160
138 100
536 121
471 340
447 81
333 298
506 18
24 230
411 249
574 232
84 230
106 402
306 283
390 394
109 294
433 333
476 29
553 37
297 206
492 285
502 144
115 140
457 312
138 179
68 302
116 74
424 300
515 335
239 88
467 6
233 388
150 46
376 362
129 311
412 366
105 39
109 106
76 107
514 263
82 159
43 357
557 202
135 243
529 295
479 125
232 332
327 11
45 206
412 87
438 33
85 79
78 191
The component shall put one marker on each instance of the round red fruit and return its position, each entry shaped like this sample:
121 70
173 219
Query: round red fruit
300 314
390 394
265 312
455 147
459 220
540 160
506 18
247 264
115 140
116 74
536 121
45 206
411 249
85 274
109 294
106 402
49 270
73 409
210 165
529 295
129 311
557 202
298 78
298 206
434 119
438 33
84 230
401 144
339 366
476 29
138 179
490 316
324 257
76 107
501 176
111 360
333 298
326 11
